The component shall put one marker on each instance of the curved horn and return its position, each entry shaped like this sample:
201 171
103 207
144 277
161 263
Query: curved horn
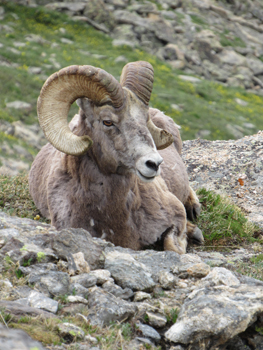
161 137
58 93
138 77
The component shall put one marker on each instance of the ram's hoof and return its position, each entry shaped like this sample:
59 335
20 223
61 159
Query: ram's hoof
197 237
193 211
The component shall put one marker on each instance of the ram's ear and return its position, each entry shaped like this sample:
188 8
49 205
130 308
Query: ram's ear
161 137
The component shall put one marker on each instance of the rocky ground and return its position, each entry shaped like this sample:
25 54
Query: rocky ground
218 40
213 307
233 168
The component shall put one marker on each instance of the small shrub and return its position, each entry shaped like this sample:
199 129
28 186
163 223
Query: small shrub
172 316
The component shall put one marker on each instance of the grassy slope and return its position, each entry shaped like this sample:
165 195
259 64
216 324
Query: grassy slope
206 105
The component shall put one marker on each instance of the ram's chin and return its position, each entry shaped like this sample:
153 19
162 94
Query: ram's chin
144 178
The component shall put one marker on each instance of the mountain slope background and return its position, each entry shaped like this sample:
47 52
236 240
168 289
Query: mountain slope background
208 96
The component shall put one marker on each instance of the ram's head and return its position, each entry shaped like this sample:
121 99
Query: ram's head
118 129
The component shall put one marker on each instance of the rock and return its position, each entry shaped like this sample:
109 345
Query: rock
51 283
221 276
40 301
221 310
206 43
198 270
139 296
77 299
106 308
91 339
127 272
163 30
125 34
148 332
117 291
255 65
71 241
189 78
66 41
156 320
81 263
232 58
121 59
17 310
241 102
5 285
212 71
85 279
70 331
73 309
21 131
16 339
78 290
167 280
36 39
97 11
71 8
102 276
126 17
19 105
34 70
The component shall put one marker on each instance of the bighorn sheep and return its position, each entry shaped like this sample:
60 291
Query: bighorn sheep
100 171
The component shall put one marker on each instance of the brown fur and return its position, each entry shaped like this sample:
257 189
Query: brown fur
100 191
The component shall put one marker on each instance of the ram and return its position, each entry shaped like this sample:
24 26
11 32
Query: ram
116 169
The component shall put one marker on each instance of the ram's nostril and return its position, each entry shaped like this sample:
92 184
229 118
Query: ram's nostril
152 165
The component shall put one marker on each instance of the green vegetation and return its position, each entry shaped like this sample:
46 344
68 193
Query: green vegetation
223 224
172 316
15 198
252 269
228 40
115 336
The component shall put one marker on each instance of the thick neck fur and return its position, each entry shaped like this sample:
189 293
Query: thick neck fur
109 199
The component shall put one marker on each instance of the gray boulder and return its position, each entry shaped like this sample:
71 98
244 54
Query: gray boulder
16 339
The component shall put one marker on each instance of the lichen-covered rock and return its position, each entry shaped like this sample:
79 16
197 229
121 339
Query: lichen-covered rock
40 301
52 283
106 308
70 331
75 240
127 272
216 314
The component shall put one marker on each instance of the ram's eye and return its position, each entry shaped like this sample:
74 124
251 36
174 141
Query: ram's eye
107 122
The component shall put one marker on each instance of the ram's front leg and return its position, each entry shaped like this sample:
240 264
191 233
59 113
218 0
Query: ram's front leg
175 237
193 209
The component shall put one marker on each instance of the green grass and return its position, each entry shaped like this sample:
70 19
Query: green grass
206 105
225 40
223 224
15 198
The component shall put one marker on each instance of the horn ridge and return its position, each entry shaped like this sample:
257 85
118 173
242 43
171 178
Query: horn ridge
138 77
60 90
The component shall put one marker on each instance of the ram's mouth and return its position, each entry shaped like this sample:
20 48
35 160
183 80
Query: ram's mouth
144 178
